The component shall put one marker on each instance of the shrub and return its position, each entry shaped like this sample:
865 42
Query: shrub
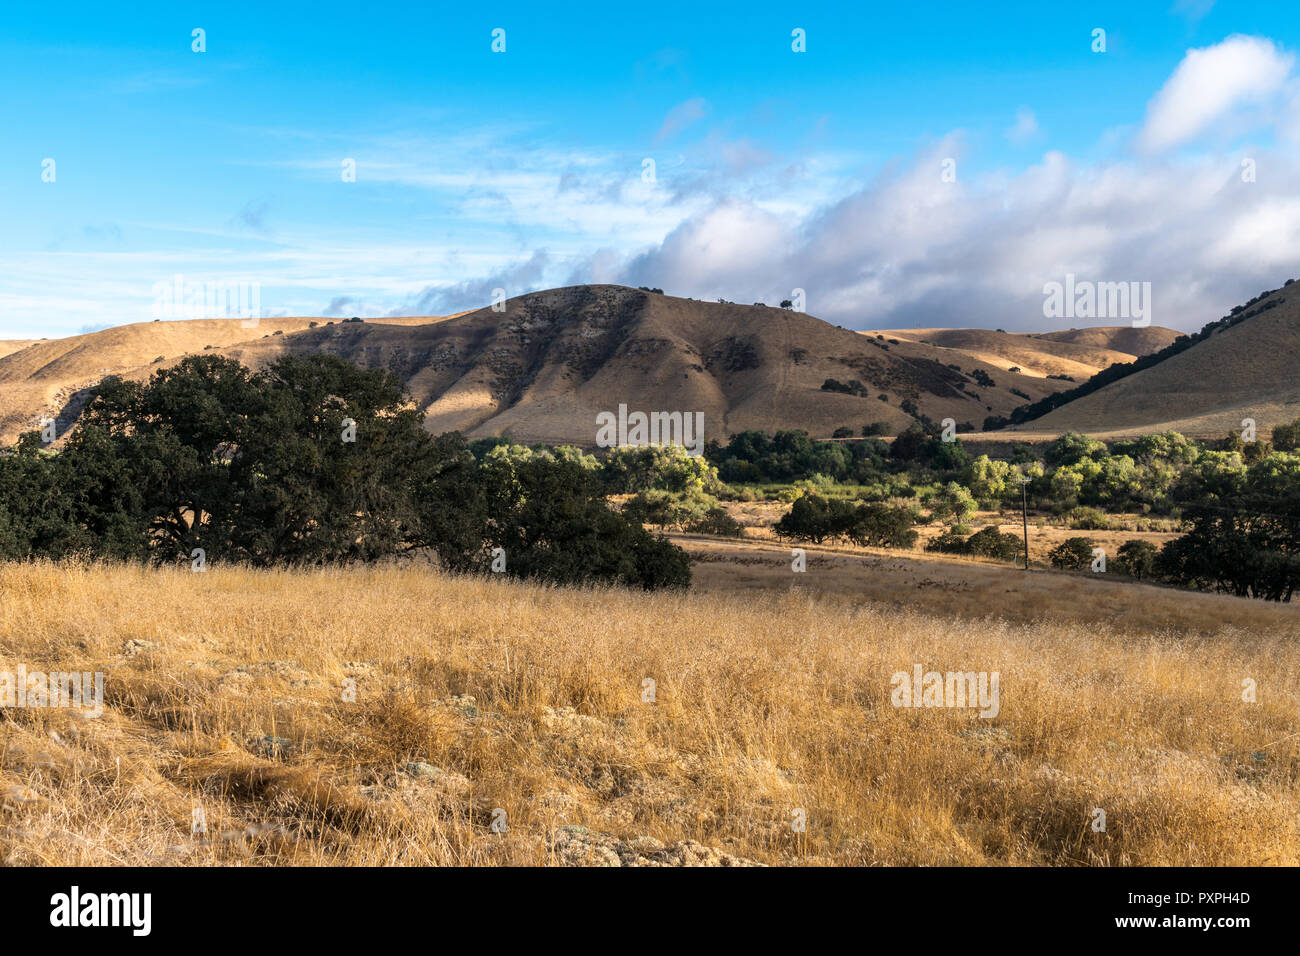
1286 437
951 501
1137 558
991 543
1072 554
1088 519
988 543
1072 448
816 519
716 521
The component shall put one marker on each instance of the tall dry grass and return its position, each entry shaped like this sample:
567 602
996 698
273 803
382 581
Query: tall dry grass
224 691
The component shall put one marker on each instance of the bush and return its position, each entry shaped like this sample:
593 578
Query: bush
1088 519
666 508
1137 558
1286 437
987 543
1072 554
951 541
991 543
716 521
951 501
816 519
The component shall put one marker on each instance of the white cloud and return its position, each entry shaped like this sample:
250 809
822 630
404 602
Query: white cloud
910 250
1209 84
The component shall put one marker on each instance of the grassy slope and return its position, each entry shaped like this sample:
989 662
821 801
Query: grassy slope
544 367
1247 371
765 703
1080 353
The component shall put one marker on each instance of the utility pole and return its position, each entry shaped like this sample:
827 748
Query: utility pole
1024 515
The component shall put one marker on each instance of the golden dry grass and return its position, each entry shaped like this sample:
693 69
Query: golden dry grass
1081 353
1247 371
764 703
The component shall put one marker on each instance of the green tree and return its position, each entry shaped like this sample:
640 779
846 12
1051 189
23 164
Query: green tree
553 526
1286 437
1138 558
1071 448
1072 554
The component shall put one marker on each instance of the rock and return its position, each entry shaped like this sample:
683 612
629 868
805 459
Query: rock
424 771
272 746
579 846
568 721
427 773
465 704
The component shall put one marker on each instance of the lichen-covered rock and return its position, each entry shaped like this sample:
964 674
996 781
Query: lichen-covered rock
579 846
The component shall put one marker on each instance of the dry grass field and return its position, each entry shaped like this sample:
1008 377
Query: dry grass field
482 699
961 588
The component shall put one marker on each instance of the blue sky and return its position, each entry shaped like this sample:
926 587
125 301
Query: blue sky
519 170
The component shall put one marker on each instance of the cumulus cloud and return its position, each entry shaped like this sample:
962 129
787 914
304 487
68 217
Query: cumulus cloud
911 250
1209 84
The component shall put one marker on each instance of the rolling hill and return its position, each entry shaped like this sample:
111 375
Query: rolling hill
1079 353
544 367
9 346
1247 370
1115 338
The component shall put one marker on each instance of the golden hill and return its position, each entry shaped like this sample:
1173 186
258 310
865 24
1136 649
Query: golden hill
551 361
1116 338
9 346
1246 371
49 377
1079 353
